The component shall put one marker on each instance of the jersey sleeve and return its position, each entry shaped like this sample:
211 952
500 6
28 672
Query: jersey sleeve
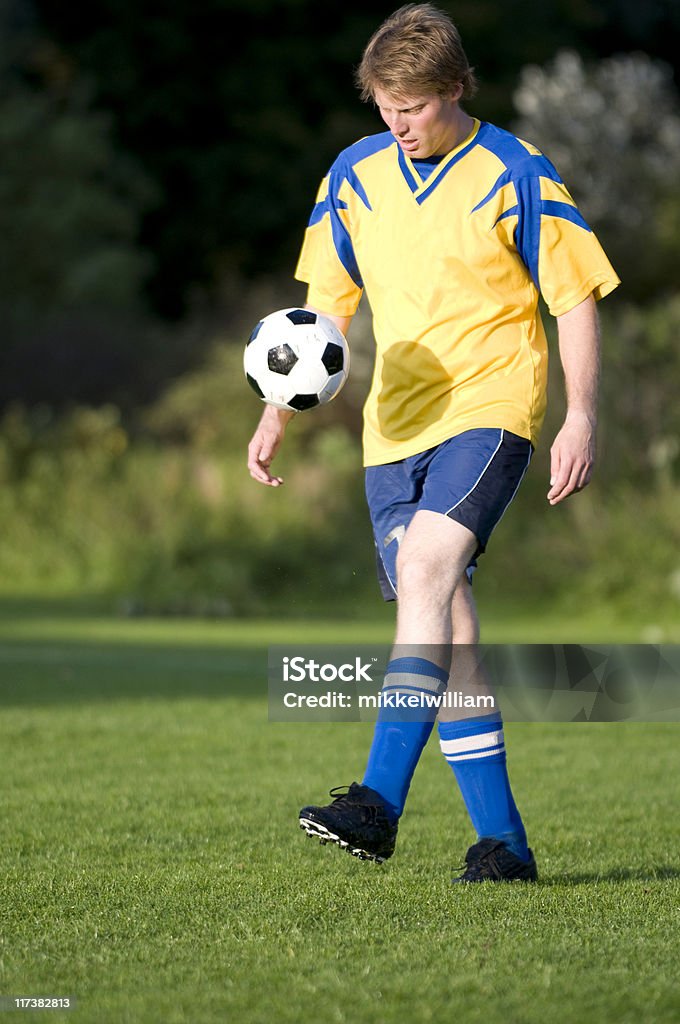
559 248
327 260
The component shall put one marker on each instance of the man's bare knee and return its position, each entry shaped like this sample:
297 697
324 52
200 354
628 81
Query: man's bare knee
432 556
420 573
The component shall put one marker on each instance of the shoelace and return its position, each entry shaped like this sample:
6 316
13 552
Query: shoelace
475 863
338 795
373 810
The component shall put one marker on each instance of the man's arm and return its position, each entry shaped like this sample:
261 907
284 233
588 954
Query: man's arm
271 429
573 452
341 322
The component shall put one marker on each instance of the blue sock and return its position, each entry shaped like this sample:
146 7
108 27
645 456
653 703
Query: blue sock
475 749
401 734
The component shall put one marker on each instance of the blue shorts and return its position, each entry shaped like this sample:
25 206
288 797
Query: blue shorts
471 478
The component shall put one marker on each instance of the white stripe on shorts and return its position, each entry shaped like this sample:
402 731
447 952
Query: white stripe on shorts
491 458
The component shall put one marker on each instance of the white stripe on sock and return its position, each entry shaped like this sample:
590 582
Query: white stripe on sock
451 758
463 743
413 679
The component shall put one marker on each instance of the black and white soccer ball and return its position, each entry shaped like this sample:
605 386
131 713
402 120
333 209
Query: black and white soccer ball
296 359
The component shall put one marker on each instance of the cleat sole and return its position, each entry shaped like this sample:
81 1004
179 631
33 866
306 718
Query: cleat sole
317 831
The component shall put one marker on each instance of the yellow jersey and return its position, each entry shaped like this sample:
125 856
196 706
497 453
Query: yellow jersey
452 262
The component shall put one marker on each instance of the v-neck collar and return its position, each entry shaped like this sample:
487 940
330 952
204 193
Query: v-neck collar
424 187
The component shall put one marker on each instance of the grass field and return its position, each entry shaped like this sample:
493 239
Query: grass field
151 865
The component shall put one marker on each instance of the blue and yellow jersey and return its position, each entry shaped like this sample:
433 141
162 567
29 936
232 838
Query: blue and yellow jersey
452 262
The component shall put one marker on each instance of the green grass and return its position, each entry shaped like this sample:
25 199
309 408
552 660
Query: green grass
150 863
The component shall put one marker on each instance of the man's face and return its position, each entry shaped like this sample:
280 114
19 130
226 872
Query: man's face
422 125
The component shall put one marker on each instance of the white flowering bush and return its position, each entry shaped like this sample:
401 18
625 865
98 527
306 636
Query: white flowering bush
613 131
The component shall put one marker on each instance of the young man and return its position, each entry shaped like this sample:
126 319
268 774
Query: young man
452 227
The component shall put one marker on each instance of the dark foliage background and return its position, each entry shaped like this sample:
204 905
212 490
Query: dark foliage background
234 110
158 167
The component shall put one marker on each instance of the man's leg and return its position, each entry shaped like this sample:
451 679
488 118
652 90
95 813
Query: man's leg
438 509
436 551
473 744
432 558
464 618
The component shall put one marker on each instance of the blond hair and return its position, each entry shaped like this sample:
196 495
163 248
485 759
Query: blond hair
417 51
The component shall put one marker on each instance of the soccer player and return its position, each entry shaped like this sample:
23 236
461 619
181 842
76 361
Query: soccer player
453 227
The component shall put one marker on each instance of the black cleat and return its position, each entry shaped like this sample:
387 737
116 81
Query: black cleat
356 821
490 860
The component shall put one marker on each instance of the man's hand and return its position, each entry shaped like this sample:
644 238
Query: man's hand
266 442
572 457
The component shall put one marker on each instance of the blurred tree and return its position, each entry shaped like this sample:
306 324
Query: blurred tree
613 131
72 271
69 208
237 107
70 205
641 423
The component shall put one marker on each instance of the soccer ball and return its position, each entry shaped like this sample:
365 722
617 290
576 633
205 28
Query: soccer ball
296 359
